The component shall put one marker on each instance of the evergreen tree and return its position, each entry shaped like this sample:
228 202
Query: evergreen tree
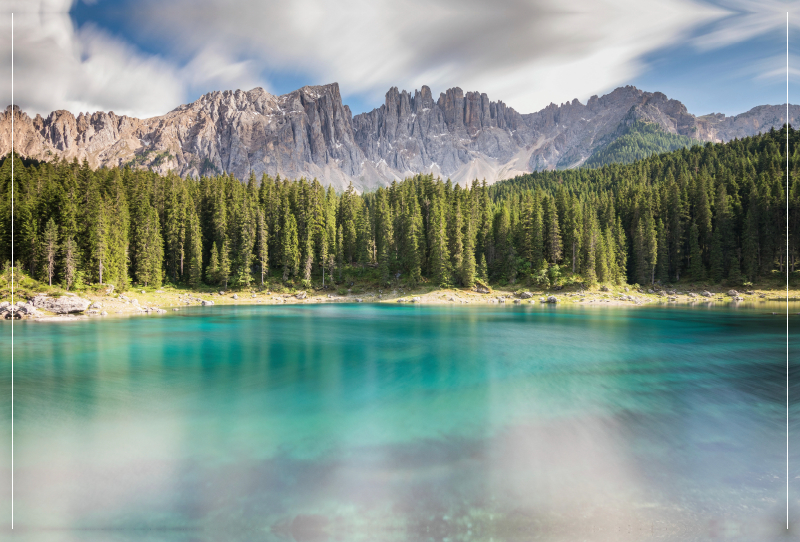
212 271
261 245
439 258
194 242
290 249
696 268
224 264
468 263
456 238
69 261
340 251
50 249
662 261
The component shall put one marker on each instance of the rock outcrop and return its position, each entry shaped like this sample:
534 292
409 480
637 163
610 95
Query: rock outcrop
61 305
311 133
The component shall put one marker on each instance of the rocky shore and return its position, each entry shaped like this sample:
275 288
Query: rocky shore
69 306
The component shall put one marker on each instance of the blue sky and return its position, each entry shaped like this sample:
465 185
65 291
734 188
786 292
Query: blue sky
145 57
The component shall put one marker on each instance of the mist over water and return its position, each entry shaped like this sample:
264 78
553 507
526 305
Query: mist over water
372 422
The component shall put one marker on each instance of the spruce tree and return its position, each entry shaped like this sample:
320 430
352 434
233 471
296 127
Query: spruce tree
468 263
262 246
439 258
194 242
290 249
69 261
50 248
224 264
662 261
212 271
696 268
340 251
456 238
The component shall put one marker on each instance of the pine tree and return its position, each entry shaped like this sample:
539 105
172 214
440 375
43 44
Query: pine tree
98 234
194 242
224 264
621 249
414 240
340 251
662 261
261 246
483 271
456 238
50 248
468 263
552 232
696 267
439 258
212 271
149 249
716 268
290 249
69 261
590 245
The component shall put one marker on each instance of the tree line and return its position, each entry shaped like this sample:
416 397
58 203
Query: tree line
713 213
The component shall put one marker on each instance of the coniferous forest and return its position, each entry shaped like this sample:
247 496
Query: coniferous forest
714 213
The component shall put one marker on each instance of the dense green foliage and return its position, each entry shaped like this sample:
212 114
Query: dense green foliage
710 213
640 140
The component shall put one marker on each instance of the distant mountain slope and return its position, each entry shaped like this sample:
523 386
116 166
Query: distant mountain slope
310 132
638 141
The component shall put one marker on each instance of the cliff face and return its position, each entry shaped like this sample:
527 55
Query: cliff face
309 132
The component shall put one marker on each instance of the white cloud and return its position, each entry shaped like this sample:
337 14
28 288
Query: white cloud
773 68
56 67
527 53
748 19
59 67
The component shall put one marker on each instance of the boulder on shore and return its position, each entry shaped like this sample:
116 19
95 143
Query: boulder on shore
733 293
61 305
552 299
525 295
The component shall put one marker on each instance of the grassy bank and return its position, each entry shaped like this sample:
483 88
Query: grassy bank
107 300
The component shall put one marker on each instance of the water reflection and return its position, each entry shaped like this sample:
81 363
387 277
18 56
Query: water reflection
402 423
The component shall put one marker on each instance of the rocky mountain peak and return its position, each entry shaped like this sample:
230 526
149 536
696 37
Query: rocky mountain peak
310 132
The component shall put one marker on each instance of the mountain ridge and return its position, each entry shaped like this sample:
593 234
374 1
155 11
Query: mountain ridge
310 132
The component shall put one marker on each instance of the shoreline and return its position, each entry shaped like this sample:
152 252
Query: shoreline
165 300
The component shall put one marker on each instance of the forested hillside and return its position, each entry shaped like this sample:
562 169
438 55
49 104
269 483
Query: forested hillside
640 140
709 213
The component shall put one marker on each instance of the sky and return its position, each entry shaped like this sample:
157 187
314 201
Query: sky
146 57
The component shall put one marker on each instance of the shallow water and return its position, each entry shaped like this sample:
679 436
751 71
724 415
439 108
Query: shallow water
374 422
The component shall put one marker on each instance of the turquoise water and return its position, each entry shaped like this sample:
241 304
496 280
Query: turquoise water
369 422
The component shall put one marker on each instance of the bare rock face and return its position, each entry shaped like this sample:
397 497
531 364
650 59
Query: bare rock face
61 305
310 132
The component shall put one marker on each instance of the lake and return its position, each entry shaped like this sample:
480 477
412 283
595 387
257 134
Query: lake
378 422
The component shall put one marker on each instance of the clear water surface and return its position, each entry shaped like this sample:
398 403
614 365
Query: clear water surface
375 422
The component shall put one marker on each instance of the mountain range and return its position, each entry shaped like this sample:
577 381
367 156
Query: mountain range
310 132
